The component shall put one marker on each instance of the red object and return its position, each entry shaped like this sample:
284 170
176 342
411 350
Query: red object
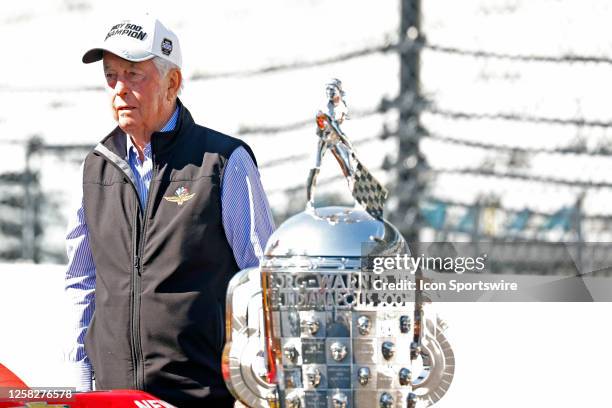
94 399
118 399
321 121
9 379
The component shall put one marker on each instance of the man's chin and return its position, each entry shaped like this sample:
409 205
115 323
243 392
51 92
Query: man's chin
127 125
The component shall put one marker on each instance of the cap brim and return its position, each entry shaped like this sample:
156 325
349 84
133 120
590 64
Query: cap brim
93 55
96 54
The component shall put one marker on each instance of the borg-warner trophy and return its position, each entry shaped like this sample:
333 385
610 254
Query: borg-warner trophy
307 330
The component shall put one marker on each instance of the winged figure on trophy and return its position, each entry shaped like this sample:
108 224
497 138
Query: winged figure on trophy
365 188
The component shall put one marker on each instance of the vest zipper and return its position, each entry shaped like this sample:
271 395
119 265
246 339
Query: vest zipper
135 327
138 245
139 363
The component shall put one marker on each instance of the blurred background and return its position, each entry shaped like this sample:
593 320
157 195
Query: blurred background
486 119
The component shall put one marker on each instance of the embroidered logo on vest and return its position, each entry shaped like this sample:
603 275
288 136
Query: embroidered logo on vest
180 196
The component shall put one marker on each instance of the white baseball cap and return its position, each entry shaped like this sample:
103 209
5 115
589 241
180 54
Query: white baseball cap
138 39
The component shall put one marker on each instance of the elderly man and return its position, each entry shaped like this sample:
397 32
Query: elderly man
169 211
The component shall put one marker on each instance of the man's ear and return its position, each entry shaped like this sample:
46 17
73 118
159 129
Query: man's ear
175 79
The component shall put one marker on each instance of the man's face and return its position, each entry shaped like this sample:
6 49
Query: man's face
137 92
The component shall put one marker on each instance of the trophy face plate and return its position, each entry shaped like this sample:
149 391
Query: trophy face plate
335 354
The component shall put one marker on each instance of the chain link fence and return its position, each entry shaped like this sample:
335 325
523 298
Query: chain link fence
491 135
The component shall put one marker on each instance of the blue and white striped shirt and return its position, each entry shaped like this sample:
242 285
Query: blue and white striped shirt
246 218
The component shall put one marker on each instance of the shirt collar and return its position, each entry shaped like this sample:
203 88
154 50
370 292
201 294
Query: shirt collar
169 126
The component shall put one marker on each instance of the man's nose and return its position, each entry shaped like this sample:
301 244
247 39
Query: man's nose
120 87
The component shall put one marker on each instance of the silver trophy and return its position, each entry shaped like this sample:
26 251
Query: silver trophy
307 328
